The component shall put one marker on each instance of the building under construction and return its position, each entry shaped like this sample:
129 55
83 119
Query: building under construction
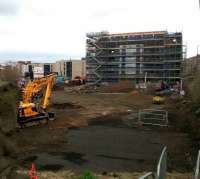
150 56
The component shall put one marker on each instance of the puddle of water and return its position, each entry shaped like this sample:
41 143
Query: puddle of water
115 157
51 167
30 159
74 157
108 120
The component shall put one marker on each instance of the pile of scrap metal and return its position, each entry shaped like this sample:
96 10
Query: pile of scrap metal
164 89
77 81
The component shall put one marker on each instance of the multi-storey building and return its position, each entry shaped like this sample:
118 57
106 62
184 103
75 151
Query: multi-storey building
153 56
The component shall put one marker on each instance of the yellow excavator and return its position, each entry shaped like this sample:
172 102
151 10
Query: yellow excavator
35 100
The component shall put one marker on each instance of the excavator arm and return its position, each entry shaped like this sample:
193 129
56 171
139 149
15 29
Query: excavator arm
50 84
33 87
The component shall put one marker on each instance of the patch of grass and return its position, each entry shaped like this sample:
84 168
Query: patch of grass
88 175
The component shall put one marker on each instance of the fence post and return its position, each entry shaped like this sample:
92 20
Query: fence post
167 117
139 114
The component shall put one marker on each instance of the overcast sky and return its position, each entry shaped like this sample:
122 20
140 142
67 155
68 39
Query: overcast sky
51 29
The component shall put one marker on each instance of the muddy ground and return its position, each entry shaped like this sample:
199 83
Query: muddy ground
99 132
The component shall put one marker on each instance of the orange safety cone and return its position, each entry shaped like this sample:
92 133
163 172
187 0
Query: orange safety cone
32 172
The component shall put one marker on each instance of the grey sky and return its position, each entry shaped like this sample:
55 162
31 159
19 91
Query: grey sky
58 26
9 7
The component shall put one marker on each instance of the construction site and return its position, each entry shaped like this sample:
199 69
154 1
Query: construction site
102 131
99 89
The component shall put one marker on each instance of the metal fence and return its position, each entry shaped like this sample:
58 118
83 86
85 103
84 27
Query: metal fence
161 172
161 168
196 170
153 117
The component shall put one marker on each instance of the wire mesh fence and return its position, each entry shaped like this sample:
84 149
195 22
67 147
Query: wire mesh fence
153 117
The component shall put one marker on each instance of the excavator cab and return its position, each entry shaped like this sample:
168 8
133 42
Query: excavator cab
29 116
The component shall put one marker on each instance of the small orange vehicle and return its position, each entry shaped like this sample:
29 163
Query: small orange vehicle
158 99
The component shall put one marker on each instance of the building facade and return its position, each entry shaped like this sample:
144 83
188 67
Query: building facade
151 56
70 68
40 69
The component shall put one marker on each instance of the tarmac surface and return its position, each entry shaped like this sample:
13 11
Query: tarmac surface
106 148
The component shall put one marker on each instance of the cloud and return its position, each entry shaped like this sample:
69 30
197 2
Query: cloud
34 56
45 26
9 7
102 13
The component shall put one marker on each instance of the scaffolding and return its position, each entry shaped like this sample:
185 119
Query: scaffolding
133 56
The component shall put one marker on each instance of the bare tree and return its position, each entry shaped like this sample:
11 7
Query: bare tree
9 73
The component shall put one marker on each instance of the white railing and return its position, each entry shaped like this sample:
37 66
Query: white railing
196 170
162 165
147 176
92 34
161 171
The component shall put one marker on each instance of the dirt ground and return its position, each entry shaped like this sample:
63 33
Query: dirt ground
99 132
